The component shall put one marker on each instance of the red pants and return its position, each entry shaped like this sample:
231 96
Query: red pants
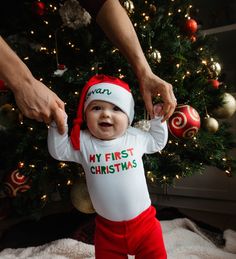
141 236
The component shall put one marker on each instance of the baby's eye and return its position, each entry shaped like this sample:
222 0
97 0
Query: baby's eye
116 108
96 108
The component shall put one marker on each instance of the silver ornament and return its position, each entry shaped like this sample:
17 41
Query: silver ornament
143 125
215 68
227 109
154 55
129 6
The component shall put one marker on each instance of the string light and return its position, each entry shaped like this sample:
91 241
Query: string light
44 197
69 182
21 164
62 164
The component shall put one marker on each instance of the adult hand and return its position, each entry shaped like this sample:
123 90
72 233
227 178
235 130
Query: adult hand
150 86
36 101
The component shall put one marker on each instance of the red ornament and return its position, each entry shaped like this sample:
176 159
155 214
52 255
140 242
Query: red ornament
184 122
16 183
2 86
191 26
61 66
215 83
38 8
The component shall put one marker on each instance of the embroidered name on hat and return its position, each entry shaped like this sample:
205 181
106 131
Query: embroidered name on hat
98 91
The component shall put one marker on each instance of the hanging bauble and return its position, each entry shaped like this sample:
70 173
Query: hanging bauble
214 83
210 124
3 87
153 9
16 183
39 8
80 197
74 15
193 38
215 69
228 107
143 125
61 69
129 6
9 117
154 55
184 122
191 26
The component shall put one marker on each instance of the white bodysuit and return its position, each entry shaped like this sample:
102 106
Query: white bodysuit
114 168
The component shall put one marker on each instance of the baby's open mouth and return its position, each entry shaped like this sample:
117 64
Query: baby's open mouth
105 124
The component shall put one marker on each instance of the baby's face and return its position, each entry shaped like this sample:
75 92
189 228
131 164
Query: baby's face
105 120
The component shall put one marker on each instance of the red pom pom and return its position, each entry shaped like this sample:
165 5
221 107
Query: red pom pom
184 122
38 8
191 26
215 83
16 182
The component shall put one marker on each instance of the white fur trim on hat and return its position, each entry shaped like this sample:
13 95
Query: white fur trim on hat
114 94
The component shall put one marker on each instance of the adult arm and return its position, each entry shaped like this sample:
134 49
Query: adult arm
114 21
59 145
34 99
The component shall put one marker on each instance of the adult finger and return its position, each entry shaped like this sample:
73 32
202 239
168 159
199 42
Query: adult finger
170 105
147 98
59 120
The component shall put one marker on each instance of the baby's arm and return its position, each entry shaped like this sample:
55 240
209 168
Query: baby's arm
158 133
59 146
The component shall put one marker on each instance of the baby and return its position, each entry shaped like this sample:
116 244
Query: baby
111 151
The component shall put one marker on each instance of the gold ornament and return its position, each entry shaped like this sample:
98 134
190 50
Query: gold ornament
153 9
154 55
228 107
80 197
211 124
129 6
215 69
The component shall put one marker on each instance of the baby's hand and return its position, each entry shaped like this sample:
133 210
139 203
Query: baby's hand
158 109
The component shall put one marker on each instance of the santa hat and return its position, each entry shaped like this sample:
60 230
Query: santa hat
104 88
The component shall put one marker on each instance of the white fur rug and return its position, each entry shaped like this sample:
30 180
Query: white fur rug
183 239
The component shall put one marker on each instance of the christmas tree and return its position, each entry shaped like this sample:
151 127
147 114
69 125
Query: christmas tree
64 47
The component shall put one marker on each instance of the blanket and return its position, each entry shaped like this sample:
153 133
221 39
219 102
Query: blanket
183 239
